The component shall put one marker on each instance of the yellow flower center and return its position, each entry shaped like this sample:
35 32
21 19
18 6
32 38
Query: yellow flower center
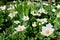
13 14
47 31
25 18
19 28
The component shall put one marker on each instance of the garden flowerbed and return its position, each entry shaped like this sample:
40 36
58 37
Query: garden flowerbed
28 20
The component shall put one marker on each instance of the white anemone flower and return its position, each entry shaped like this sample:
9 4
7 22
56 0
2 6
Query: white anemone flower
3 7
41 10
12 14
34 24
53 10
44 20
20 28
48 30
58 6
25 18
16 22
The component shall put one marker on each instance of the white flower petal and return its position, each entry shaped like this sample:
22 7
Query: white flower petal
49 25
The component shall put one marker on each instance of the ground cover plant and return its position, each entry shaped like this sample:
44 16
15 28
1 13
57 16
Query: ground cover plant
28 20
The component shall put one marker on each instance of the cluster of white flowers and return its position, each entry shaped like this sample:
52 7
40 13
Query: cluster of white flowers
40 11
13 14
48 30
21 28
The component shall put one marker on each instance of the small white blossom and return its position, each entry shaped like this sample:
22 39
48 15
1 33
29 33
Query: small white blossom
34 24
53 0
15 5
58 6
20 28
32 12
48 30
45 4
42 10
39 23
37 14
53 10
28 2
14 1
43 20
3 7
12 14
38 20
0 28
16 22
25 18
11 7
58 15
